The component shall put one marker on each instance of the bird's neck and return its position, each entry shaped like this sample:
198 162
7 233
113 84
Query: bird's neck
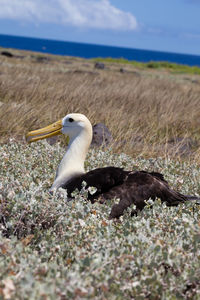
72 163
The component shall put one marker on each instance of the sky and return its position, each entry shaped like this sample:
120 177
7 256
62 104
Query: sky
163 25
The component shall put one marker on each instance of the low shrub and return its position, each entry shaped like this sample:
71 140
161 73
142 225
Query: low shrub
54 249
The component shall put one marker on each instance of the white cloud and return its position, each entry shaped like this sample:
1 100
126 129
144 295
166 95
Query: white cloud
99 14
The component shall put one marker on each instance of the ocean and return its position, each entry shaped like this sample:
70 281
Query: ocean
91 51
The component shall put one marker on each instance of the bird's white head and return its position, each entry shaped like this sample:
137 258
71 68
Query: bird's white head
75 125
72 125
79 130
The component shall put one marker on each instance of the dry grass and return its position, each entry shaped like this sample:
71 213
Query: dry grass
143 109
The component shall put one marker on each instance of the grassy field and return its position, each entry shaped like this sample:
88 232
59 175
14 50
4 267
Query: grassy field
150 112
54 249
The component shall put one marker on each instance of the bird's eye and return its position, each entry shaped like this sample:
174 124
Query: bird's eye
71 120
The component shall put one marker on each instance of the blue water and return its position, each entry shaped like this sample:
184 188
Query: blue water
92 51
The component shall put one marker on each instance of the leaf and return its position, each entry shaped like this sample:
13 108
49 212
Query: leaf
69 261
86 262
4 248
81 222
197 238
79 292
104 223
8 289
26 241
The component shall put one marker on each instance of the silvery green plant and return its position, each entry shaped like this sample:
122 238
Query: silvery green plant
53 248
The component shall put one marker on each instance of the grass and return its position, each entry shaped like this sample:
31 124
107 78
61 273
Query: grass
54 249
151 106
172 67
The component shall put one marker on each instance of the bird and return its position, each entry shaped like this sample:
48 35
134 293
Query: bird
130 187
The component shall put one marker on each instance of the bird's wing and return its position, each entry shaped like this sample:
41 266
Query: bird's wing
103 179
141 186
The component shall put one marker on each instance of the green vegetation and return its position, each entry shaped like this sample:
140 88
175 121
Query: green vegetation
54 249
172 67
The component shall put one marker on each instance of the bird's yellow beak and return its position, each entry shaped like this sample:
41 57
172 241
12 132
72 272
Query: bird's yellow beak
46 132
